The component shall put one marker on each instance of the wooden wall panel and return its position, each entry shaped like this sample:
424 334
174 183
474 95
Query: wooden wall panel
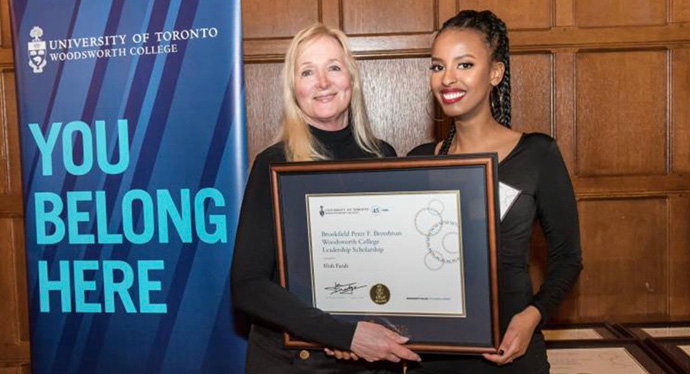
596 13
680 11
399 101
5 29
679 261
614 113
564 121
565 14
330 13
531 92
264 102
14 368
520 14
680 81
626 257
568 310
387 16
10 168
9 313
279 18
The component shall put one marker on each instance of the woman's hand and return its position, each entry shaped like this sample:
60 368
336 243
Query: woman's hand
517 336
374 342
341 355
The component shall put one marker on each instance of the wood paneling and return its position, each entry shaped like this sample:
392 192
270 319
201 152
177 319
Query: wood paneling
679 261
264 102
617 104
565 14
14 368
387 16
279 18
399 101
5 29
565 108
9 312
680 81
330 13
531 92
680 11
520 14
22 306
10 169
417 45
596 13
446 10
626 257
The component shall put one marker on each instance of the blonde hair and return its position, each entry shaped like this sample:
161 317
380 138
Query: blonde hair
300 145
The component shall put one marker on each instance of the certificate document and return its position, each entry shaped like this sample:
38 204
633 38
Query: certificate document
594 360
571 334
685 348
667 332
387 253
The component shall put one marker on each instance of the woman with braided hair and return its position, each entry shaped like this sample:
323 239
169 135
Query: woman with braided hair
470 78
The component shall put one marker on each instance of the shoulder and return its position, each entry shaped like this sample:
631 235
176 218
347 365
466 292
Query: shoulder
426 149
274 153
270 155
540 143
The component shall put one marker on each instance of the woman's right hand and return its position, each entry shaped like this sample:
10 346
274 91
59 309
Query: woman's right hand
374 342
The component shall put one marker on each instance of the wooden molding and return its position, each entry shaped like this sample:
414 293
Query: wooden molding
417 44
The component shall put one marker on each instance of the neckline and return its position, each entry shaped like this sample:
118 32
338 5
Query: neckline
327 136
514 150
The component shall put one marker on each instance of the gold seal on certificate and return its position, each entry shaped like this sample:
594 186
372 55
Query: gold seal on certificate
380 294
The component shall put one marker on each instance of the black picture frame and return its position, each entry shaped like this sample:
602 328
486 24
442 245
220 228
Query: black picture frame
605 330
637 329
475 175
669 349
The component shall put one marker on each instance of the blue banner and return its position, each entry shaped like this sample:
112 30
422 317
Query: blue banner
133 145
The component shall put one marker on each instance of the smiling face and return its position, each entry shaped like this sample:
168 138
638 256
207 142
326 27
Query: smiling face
463 73
323 86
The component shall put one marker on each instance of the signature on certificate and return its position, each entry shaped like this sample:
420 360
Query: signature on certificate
344 288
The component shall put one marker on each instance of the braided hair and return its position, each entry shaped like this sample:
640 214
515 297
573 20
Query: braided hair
496 33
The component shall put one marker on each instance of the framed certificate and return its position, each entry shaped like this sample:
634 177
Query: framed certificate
678 329
408 243
624 357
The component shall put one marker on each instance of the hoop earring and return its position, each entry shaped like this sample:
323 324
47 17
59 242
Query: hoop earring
426 109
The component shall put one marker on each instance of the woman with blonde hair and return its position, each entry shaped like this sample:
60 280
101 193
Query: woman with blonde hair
324 117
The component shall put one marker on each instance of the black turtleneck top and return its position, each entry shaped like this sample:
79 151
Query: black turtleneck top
254 278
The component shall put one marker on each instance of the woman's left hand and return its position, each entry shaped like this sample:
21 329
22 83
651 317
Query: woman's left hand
517 336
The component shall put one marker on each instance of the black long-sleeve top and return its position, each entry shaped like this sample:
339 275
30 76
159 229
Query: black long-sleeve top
254 277
536 168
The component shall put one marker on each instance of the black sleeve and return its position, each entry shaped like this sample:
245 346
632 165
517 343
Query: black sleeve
254 265
557 212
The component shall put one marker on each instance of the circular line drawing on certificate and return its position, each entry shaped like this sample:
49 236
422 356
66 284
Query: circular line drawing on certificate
441 249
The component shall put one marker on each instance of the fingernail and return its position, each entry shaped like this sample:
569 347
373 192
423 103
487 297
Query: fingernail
501 352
